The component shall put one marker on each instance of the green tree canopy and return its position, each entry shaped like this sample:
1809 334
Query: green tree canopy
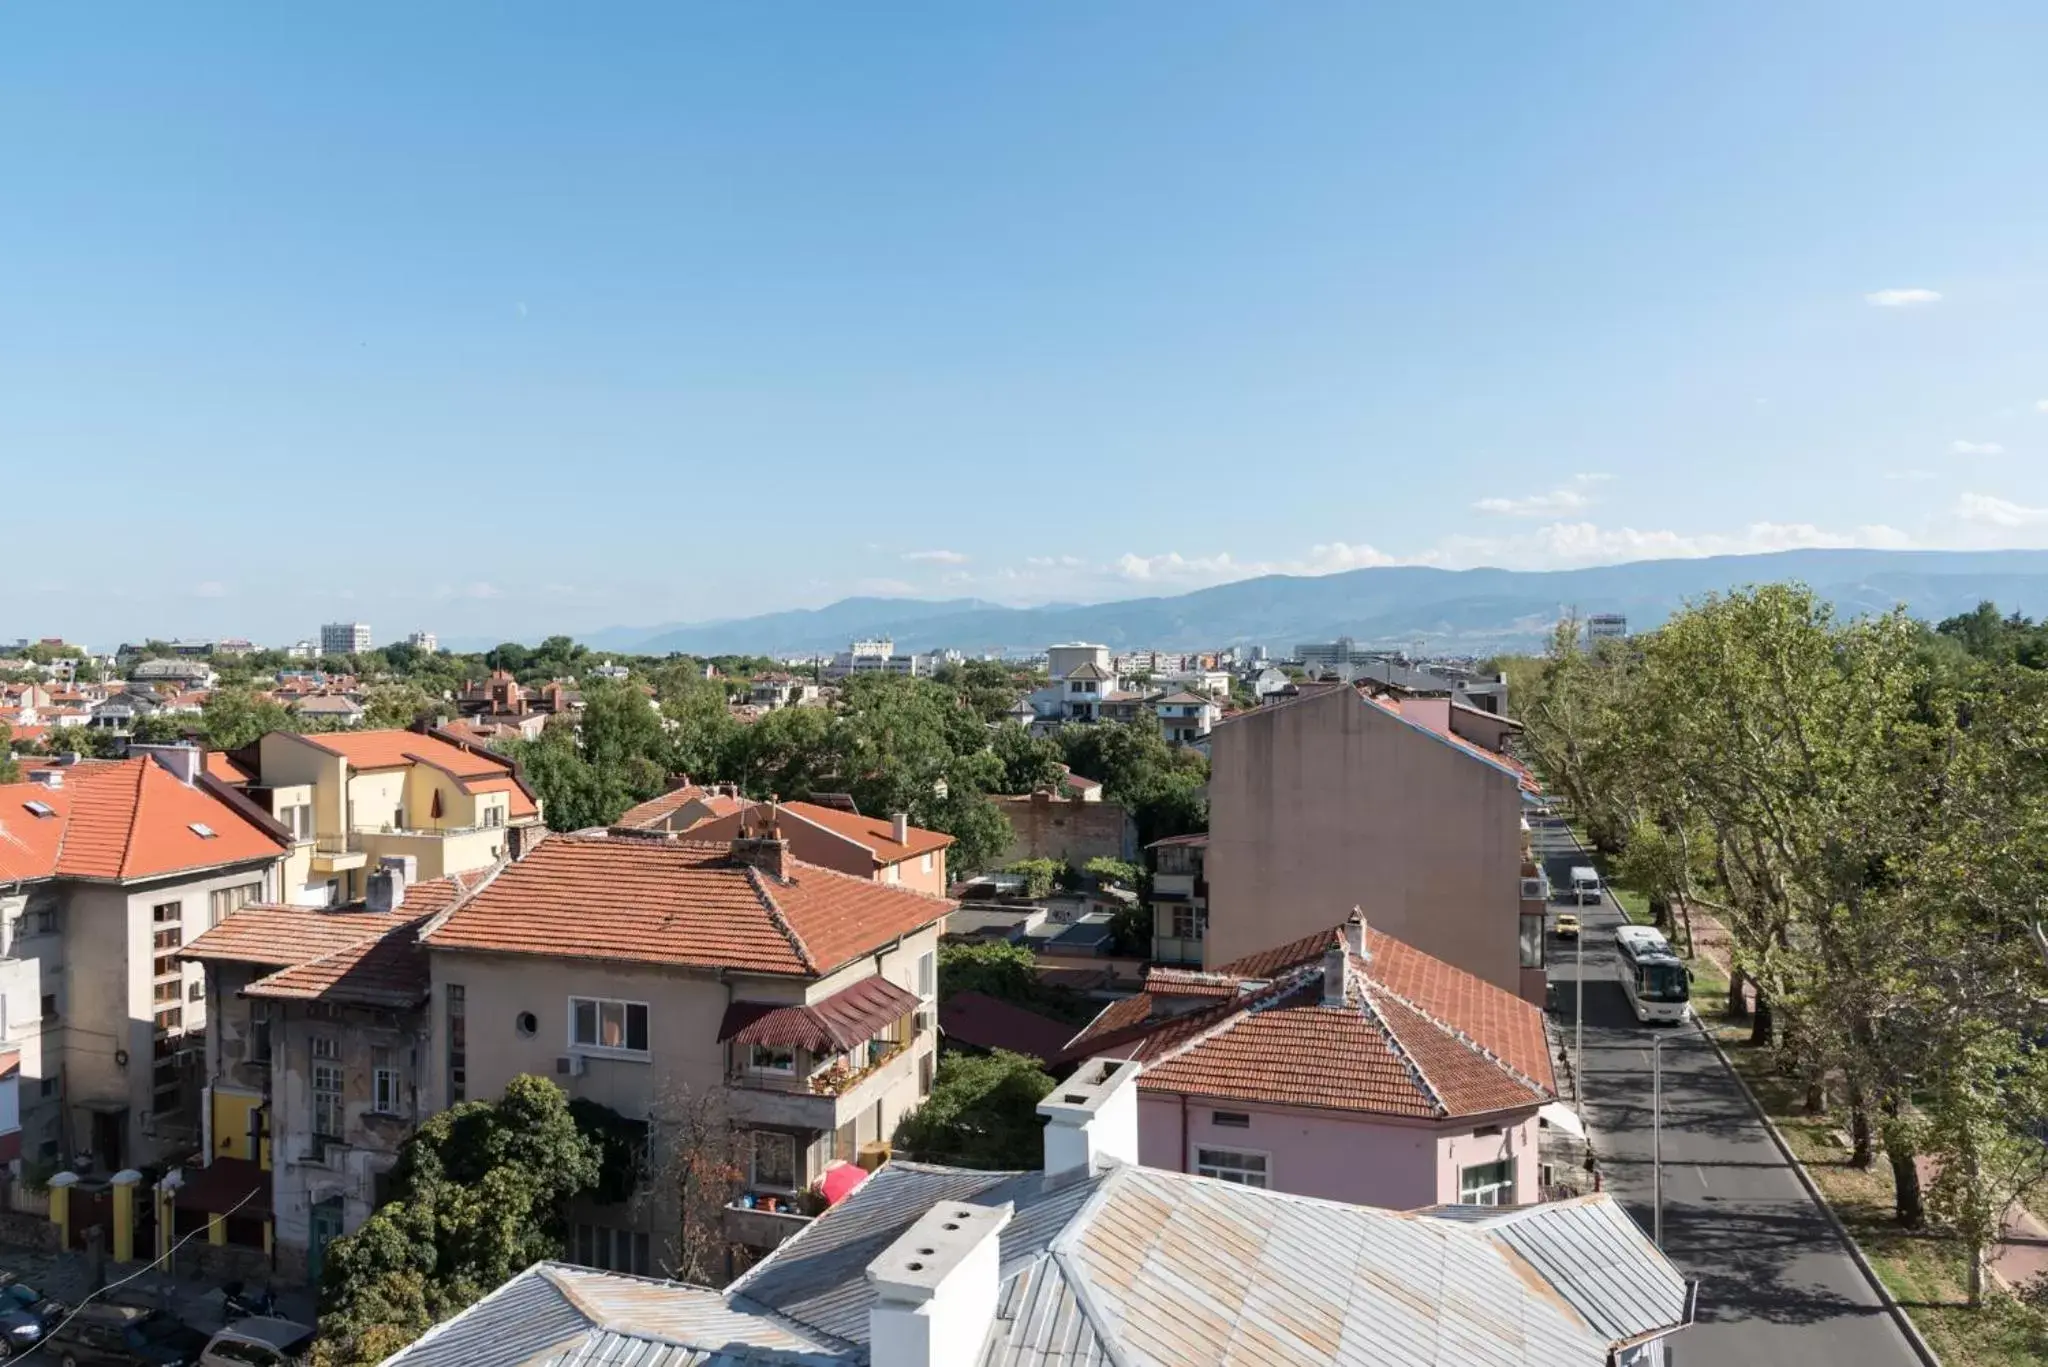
982 1113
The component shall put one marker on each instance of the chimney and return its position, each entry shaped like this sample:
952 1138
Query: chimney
47 778
386 887
182 762
1090 1117
1337 968
1354 935
760 843
899 828
937 1287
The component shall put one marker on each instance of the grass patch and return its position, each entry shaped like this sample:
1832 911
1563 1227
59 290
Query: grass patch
1925 1270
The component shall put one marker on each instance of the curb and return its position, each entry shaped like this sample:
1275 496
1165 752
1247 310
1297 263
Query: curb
1904 1321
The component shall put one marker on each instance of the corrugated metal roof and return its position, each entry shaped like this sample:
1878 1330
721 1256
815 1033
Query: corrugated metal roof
1593 1247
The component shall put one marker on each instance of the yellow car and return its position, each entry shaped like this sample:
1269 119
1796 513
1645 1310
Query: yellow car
1567 926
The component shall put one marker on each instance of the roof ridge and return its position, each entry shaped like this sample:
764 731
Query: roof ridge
758 881
1400 1050
1469 1042
1236 1011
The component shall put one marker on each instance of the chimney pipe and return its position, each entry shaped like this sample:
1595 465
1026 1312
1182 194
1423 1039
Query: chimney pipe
1090 1117
1354 935
899 828
937 1288
46 778
1336 975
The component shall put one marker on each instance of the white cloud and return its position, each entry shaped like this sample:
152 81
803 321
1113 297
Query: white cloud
1901 298
210 588
1536 505
2041 405
1338 556
1173 566
1959 447
1990 511
936 557
1585 543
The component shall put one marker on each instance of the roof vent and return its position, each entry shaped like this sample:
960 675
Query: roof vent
203 831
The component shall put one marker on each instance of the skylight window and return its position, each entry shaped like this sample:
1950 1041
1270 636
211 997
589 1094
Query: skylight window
40 809
202 830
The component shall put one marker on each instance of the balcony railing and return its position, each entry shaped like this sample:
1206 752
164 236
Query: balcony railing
1177 949
836 1076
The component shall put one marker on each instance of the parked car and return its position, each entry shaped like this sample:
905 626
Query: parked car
102 1332
259 1341
26 1314
1567 925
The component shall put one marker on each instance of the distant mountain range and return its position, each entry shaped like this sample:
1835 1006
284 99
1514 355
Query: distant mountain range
1441 611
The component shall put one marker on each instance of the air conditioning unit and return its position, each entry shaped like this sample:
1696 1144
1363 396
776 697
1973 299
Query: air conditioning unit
572 1065
921 1022
1533 890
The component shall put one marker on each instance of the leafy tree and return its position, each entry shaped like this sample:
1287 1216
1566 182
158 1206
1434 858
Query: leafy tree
10 770
235 717
400 705
570 790
1040 875
997 969
982 1113
1030 763
478 1194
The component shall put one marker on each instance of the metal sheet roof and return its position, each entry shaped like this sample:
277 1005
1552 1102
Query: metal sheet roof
1614 1274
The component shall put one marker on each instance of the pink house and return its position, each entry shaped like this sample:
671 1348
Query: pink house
1346 1065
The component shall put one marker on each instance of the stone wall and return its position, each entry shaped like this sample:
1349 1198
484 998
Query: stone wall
1046 827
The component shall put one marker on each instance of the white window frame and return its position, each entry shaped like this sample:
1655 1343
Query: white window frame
326 1096
621 1051
928 974
754 1064
386 1096
1216 1162
927 862
1488 1193
754 1162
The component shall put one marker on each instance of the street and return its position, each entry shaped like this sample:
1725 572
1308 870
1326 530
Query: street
1776 1284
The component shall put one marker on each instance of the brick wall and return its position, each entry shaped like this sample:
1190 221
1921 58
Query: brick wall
1047 827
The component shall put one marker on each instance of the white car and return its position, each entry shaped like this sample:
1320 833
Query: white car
1585 885
262 1341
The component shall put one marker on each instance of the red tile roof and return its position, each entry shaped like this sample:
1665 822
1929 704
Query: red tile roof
122 819
875 834
398 749
282 937
681 903
986 1022
656 809
224 768
841 1021
386 969
1417 1038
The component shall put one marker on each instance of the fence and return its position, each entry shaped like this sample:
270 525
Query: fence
18 1198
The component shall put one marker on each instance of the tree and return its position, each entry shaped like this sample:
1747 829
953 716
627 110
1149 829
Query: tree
10 771
568 787
1030 763
478 1194
982 1113
997 969
699 1159
1040 876
235 717
397 706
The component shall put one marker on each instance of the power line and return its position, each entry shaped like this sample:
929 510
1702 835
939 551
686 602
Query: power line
146 1267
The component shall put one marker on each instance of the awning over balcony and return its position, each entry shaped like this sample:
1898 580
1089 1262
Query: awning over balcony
841 1021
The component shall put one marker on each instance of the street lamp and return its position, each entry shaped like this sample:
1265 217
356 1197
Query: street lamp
1657 1130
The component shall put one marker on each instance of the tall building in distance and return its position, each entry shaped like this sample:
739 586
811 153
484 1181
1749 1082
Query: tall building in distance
1606 625
344 638
424 641
1317 656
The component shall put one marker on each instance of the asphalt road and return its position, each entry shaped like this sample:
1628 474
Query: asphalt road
1776 1284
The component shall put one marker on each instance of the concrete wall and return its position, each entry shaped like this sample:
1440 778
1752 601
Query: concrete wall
1073 829
1386 1162
1328 803
919 873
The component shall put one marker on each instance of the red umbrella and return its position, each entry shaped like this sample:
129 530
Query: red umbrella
841 1179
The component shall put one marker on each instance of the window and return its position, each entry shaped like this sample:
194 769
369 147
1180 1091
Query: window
326 1100
927 863
494 815
1186 925
527 1024
613 1250
1231 1165
325 1046
458 1042
384 1082
168 992
1532 941
928 975
49 1087
171 1018
598 1023
774 1160
924 1076
259 1032
46 921
49 1006
1230 1120
167 911
167 966
771 1058
298 819
223 902
169 938
198 992
1489 1184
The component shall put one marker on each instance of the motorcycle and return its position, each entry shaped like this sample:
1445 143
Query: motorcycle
238 1304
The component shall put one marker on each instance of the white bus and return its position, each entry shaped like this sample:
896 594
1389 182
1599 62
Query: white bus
1657 983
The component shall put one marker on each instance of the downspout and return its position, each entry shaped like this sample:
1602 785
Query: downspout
1183 1131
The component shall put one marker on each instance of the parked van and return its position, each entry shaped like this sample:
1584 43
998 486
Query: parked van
1585 885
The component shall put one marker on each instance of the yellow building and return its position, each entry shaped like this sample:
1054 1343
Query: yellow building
350 799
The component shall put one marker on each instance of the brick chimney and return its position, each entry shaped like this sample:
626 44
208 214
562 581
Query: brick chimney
760 843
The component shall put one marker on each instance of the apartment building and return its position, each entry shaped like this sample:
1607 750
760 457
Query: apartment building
1186 718
1336 799
1180 898
314 1059
107 868
352 798
1347 1066
646 973
344 638
1097 1259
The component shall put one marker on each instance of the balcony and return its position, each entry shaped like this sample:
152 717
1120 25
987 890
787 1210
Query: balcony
826 1098
336 853
1177 949
753 1227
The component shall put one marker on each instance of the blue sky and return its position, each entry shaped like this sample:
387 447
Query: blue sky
503 319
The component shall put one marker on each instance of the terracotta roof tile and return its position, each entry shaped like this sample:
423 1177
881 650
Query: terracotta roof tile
397 749
224 768
282 937
387 968
655 809
681 903
875 834
123 819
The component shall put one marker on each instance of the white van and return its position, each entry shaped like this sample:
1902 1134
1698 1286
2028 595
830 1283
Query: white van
1585 885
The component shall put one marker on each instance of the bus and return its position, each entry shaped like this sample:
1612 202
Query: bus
1657 983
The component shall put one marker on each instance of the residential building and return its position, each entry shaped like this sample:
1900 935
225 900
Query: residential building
1077 695
1334 799
1062 660
642 971
107 868
886 850
878 657
1212 683
1269 680
1097 1259
318 1034
608 670
234 645
1185 718
344 638
120 711
183 673
350 798
1345 1065
1180 898
682 807
1606 626
770 691
334 708
426 642
302 650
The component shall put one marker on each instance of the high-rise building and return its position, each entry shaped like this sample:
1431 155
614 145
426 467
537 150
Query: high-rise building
1606 625
424 641
344 638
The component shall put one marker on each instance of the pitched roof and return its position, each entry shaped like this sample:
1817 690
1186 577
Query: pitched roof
875 834
1416 1037
1087 669
657 809
1183 698
684 904
1198 839
122 819
398 749
225 768
283 937
986 1022
841 1021
384 968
